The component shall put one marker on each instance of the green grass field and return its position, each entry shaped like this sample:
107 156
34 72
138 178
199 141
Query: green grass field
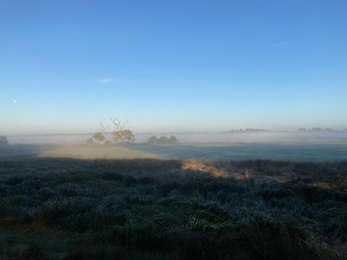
166 202
218 151
214 151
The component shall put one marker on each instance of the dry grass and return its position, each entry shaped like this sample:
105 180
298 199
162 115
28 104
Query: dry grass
282 180
243 176
213 168
215 172
193 164
324 185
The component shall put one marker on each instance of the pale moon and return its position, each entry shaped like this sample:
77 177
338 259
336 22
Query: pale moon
15 101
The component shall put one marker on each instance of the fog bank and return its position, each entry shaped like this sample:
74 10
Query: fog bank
260 137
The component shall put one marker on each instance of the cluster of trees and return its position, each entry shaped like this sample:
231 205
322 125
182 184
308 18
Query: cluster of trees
3 140
163 140
121 133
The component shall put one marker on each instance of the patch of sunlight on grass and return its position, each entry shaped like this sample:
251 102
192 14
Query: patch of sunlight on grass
243 176
324 185
93 152
204 166
215 172
193 164
282 180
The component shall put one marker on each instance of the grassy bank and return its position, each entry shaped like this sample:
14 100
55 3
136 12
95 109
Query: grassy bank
63 208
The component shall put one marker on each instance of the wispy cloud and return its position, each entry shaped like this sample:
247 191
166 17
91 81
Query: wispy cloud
105 80
279 44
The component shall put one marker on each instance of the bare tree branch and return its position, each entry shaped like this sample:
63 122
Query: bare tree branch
99 135
102 128
121 133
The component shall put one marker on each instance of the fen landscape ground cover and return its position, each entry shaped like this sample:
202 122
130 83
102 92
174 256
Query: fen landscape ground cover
192 201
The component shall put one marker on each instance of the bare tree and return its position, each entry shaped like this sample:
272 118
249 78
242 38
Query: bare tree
100 133
121 133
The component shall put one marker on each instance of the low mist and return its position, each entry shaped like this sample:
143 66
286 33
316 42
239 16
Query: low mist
236 137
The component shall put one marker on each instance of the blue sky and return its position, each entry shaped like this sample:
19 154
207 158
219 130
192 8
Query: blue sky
172 65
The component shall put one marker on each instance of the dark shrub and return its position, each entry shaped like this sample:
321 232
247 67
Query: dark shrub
268 194
14 180
162 140
8 164
129 181
341 196
166 188
46 193
147 180
71 190
89 141
33 184
3 192
153 140
28 187
108 219
34 252
313 194
173 140
19 201
112 176
342 165
3 140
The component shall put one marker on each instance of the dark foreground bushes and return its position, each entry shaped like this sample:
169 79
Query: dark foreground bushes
152 209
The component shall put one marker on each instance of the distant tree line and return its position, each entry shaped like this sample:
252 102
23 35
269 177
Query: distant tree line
248 130
317 129
3 140
163 140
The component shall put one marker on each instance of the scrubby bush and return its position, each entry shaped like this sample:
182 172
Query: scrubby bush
99 136
46 193
112 176
71 190
3 140
153 140
163 140
89 141
173 140
14 180
129 181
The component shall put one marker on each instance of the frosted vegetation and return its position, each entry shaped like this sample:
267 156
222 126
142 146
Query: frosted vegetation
61 208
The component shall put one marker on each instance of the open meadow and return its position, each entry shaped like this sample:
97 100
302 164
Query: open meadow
191 201
313 152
